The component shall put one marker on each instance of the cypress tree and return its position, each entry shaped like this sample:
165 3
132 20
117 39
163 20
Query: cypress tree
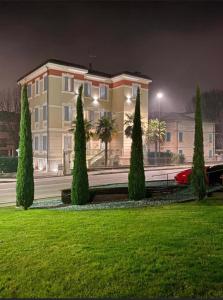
24 177
80 186
136 178
198 168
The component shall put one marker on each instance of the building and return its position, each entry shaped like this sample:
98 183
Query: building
180 136
52 92
9 122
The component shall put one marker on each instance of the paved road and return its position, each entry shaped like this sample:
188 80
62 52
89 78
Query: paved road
51 187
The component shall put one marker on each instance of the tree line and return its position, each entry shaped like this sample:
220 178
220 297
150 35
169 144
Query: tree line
80 184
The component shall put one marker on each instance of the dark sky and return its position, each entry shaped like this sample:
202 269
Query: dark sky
178 44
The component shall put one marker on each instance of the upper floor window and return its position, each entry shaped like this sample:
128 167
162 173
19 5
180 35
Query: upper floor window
68 84
44 137
210 137
37 87
29 90
36 143
180 136
135 89
168 137
45 83
87 89
36 114
103 92
67 113
44 112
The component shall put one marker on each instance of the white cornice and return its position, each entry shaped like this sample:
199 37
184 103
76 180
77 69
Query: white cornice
97 78
130 78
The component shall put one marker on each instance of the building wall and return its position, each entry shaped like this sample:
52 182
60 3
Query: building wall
55 127
187 144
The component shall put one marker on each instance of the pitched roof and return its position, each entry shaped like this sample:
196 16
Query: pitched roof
90 71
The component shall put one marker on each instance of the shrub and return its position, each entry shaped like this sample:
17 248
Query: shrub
8 164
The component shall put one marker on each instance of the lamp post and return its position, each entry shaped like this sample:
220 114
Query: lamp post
159 97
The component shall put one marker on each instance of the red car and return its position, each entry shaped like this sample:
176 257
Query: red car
183 177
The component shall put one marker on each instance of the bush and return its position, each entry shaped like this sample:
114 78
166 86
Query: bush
8 164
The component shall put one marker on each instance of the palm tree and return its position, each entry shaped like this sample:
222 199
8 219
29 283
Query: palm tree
88 129
129 125
156 132
105 128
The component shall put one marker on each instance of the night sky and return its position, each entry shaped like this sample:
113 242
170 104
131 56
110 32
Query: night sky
177 44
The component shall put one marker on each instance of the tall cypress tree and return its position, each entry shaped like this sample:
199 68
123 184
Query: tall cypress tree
24 177
198 168
80 186
136 178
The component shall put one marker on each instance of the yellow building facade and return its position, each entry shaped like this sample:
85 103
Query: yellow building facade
52 94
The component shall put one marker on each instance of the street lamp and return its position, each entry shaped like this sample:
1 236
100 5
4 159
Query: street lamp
159 97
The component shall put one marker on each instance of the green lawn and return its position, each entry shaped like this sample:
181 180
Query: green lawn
169 251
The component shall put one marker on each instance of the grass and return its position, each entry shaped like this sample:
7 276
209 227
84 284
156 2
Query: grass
169 251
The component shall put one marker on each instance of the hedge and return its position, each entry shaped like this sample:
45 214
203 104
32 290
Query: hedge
8 164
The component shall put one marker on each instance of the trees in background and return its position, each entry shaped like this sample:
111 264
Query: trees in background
80 185
198 168
136 177
88 129
212 111
128 123
10 107
24 177
105 128
155 133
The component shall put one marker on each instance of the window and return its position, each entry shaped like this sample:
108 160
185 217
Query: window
36 114
45 83
36 143
87 89
68 84
103 92
44 142
44 112
67 113
181 152
29 90
37 87
180 136
168 137
210 153
134 90
210 137
106 114
67 142
91 116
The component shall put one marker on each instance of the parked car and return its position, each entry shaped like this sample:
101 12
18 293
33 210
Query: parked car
213 175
